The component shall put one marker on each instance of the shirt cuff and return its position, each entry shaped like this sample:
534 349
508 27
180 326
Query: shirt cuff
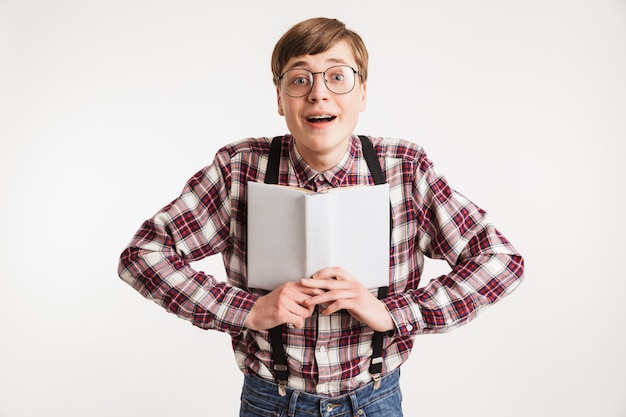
405 314
233 311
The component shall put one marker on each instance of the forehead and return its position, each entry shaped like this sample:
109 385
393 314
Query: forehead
338 54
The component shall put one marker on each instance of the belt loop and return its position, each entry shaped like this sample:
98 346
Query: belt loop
356 412
292 403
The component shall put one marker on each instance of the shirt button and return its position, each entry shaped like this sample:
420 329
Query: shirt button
409 328
323 349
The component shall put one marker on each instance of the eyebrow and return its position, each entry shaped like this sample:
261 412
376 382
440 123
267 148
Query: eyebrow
305 64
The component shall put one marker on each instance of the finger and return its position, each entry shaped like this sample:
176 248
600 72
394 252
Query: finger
289 304
311 290
300 310
335 307
316 285
333 272
331 297
297 316
301 292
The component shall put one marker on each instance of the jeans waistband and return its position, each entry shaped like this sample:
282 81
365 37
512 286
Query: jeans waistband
296 400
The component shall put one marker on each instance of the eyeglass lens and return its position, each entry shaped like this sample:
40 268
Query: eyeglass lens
339 79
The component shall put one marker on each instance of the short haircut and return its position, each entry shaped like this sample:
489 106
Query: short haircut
314 36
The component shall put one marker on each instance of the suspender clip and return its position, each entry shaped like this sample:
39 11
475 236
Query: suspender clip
282 388
376 368
282 383
376 379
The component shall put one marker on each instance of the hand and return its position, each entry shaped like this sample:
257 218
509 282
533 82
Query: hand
283 305
342 291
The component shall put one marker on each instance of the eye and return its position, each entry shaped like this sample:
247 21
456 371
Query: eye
297 77
300 80
337 75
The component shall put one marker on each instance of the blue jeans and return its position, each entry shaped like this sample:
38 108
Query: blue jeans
259 398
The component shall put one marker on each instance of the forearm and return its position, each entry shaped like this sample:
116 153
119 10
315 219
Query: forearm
169 281
485 268
456 298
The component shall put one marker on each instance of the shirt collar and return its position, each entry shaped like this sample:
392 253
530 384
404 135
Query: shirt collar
335 176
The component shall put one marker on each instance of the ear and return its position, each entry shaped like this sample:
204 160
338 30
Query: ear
280 102
363 88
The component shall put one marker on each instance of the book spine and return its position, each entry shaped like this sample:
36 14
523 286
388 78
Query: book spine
317 232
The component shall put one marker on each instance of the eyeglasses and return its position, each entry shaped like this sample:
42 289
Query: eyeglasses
339 79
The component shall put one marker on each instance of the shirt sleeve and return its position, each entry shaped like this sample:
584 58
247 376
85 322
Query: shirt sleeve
156 263
485 267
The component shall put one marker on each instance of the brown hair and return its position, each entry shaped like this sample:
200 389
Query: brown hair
314 36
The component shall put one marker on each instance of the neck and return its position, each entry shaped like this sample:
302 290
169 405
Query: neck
321 164
323 159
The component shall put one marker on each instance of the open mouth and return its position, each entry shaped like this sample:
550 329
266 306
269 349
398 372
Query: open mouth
321 118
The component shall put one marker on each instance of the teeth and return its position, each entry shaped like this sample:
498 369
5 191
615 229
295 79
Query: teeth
320 117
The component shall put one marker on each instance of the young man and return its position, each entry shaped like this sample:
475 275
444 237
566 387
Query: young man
329 320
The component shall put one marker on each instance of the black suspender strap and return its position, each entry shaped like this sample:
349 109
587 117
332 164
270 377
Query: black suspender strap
281 370
372 160
376 365
276 334
273 163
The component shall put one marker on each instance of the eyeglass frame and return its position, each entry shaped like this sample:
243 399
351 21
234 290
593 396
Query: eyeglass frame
312 78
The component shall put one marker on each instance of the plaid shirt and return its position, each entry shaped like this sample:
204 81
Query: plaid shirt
330 355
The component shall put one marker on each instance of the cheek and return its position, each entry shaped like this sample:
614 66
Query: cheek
355 106
287 107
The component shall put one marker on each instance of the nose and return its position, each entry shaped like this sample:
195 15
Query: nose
319 91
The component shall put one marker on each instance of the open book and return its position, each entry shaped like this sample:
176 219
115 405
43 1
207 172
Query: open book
293 233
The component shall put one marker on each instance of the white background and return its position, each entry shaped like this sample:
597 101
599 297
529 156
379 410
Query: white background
108 107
